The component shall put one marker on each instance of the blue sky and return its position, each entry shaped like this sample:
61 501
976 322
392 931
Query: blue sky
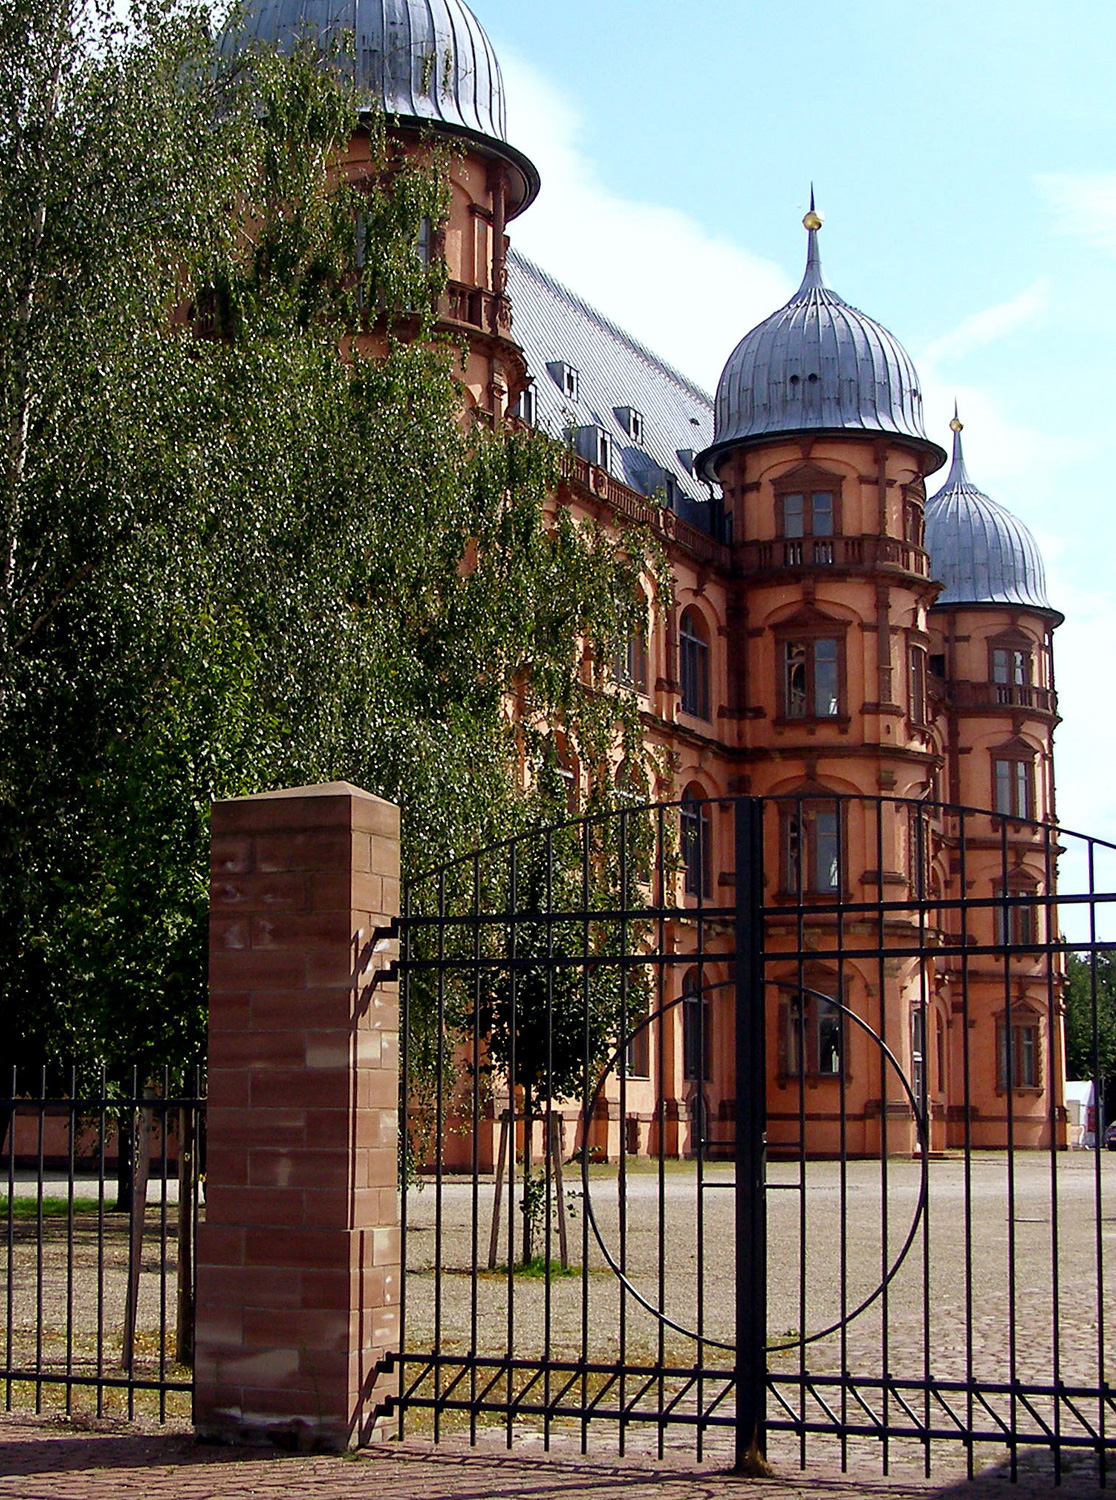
965 157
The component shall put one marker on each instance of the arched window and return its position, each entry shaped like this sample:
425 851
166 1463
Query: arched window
697 842
693 660
629 661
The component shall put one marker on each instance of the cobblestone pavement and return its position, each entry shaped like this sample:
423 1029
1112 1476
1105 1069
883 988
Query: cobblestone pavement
50 1459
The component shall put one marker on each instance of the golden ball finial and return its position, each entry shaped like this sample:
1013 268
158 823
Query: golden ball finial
957 425
813 220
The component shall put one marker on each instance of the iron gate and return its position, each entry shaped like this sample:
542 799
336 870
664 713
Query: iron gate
742 1122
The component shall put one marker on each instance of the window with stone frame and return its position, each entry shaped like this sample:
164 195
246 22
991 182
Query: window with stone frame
808 515
812 668
813 847
1016 915
693 663
697 1029
1018 1051
917 706
1011 667
811 1028
1013 780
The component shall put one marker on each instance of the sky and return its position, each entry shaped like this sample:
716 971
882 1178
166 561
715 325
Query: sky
964 155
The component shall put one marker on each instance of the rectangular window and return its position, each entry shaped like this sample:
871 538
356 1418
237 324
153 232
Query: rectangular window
1011 667
812 678
918 685
696 1049
794 515
638 1057
822 508
812 1028
918 1055
1015 921
1013 788
527 407
693 663
812 851
1018 1056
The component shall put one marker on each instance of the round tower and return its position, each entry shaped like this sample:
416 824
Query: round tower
992 670
430 68
822 454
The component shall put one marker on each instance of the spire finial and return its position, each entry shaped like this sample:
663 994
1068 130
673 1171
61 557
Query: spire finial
814 280
957 474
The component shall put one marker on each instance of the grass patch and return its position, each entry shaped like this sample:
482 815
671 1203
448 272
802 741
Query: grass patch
537 1269
52 1208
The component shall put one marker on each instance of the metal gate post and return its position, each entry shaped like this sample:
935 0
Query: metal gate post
751 1141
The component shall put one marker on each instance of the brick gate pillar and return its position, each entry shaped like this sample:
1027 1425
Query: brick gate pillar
298 1257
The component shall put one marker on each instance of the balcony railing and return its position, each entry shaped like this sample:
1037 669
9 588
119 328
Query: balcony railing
1003 695
863 553
477 307
637 507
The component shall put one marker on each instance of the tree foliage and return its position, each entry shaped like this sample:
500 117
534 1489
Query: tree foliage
1091 1015
239 549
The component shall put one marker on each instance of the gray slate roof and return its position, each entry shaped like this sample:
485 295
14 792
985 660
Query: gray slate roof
421 60
978 550
615 372
817 365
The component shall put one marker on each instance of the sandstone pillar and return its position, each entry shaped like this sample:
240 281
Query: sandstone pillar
298 1258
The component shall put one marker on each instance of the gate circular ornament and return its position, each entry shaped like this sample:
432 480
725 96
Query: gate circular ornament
783 1343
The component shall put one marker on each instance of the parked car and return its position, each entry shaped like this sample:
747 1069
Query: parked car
1110 1137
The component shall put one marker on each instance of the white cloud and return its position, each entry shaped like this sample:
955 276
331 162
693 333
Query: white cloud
1083 204
991 324
656 271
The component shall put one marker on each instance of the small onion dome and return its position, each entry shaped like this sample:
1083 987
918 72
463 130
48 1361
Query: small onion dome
816 365
979 551
425 62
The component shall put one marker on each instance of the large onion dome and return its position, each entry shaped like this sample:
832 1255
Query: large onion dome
424 62
979 551
817 365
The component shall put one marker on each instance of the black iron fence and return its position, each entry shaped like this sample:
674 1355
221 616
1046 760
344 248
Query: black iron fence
743 1123
101 1189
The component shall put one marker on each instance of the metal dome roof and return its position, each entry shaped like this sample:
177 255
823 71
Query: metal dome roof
816 365
978 550
424 61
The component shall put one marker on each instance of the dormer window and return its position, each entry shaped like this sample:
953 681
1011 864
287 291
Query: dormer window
567 379
594 444
632 423
527 407
686 459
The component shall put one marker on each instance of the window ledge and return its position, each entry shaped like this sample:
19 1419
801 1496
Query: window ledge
841 721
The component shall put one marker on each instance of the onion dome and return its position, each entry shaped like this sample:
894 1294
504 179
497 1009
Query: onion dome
817 365
979 551
424 62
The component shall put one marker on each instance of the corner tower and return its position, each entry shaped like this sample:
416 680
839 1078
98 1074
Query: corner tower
822 454
428 65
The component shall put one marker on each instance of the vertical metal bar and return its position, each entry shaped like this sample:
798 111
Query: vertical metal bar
1052 1075
513 1026
164 1122
967 1102
548 1133
885 1249
405 948
1098 1180
39 1247
799 872
586 1126
474 1284
70 1164
10 1253
622 1179
659 1038
439 1147
1009 1098
102 1168
843 1104
751 1139
921 855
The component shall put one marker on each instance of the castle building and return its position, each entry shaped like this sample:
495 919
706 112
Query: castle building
832 634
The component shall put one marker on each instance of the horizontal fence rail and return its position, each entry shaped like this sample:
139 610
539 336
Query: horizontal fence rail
102 1184
577 1215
